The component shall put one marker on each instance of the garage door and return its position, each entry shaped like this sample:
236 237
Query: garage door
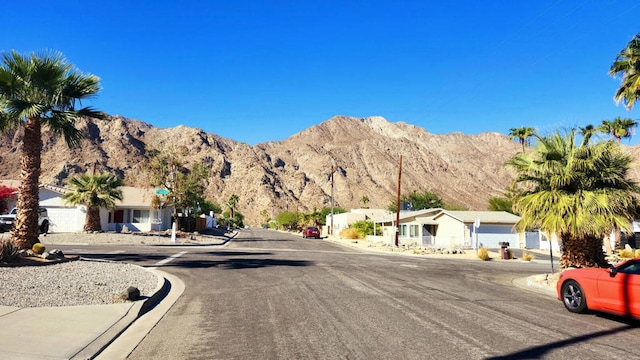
64 219
490 236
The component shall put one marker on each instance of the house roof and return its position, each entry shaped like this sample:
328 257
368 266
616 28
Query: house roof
427 216
487 217
131 196
56 189
409 214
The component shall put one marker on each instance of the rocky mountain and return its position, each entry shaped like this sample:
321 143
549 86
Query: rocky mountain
295 173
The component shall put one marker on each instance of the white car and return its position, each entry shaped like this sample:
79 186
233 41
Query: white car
7 220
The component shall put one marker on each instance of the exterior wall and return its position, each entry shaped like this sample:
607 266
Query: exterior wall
66 220
128 220
342 221
451 232
490 235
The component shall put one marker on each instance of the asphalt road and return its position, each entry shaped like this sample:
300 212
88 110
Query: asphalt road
268 295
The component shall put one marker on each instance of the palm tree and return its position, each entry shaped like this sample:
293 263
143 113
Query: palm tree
39 91
522 134
579 192
618 128
232 203
94 191
364 200
627 66
587 132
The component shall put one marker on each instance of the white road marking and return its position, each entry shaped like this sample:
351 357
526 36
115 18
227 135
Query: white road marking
167 260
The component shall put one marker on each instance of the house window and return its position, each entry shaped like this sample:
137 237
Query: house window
402 230
414 231
140 216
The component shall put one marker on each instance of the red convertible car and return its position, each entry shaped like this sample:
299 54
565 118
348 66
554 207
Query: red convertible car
614 290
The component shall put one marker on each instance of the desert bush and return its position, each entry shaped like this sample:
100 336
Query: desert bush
350 233
8 250
626 253
527 257
637 254
363 227
38 248
483 254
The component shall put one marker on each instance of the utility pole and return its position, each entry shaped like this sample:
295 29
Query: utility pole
398 203
332 170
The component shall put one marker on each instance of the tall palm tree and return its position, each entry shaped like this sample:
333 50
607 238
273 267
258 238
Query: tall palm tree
619 128
522 134
232 203
94 191
39 91
579 192
627 66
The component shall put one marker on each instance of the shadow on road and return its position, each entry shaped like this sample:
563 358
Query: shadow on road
539 352
228 263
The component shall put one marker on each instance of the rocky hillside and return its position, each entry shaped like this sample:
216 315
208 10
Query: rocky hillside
294 173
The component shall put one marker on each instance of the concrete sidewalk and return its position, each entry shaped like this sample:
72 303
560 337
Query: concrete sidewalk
82 332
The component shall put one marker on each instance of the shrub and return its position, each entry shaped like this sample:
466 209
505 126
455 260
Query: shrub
637 254
483 254
626 253
8 250
527 257
363 227
38 248
350 233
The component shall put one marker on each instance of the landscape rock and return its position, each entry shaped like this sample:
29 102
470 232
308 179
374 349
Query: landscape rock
131 293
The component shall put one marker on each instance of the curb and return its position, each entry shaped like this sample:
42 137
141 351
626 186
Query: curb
150 313
137 309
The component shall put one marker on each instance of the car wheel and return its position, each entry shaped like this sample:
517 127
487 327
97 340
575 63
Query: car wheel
573 297
44 228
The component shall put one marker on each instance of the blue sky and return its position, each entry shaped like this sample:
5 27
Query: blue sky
257 71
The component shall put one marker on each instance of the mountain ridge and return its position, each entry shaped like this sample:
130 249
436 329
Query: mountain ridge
293 174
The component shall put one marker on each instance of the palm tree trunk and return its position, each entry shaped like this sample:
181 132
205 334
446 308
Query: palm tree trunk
581 251
93 219
25 231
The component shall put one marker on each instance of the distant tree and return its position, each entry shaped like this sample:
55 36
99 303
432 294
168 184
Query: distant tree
287 220
619 128
186 186
232 203
94 191
587 132
36 91
266 218
419 201
326 211
522 134
501 204
364 200
208 206
627 66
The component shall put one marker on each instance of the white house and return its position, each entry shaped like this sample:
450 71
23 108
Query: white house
443 228
344 220
134 210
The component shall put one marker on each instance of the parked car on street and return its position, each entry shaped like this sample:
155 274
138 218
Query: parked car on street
7 220
614 290
311 232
